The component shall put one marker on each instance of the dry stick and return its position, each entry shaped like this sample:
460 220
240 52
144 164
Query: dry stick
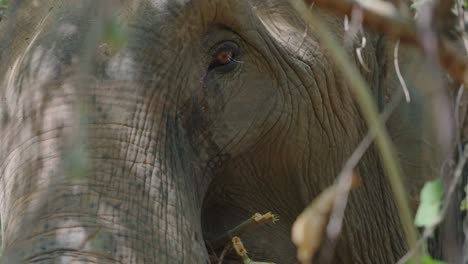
430 230
242 252
223 253
253 222
370 113
461 22
212 250
457 119
398 27
397 70
353 29
458 103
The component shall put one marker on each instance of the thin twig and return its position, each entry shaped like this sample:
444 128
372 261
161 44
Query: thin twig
457 119
359 54
353 28
400 76
223 253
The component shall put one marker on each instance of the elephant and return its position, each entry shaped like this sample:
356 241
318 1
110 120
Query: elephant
209 112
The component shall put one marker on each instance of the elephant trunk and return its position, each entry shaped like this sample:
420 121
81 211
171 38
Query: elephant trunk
111 189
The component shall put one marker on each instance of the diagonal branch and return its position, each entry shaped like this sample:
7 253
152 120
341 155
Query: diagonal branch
385 18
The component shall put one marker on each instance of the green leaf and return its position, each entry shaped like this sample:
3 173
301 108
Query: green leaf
428 260
464 205
431 201
464 202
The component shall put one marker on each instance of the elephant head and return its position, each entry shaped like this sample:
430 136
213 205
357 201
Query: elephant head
211 111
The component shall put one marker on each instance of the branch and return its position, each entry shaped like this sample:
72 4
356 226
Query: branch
253 222
242 252
385 18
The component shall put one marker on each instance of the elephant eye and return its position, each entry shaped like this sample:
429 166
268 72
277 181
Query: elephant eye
224 57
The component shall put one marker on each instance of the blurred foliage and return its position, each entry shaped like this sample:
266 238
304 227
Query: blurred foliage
76 162
464 202
427 260
115 35
3 6
417 3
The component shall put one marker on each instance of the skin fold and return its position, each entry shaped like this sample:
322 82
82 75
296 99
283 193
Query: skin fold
140 154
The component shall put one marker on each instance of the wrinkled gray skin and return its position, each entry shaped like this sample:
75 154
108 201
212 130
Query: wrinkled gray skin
176 154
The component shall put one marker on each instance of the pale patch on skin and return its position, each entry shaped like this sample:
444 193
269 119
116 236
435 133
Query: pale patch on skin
42 64
67 29
42 70
106 215
71 234
10 94
13 73
161 5
122 67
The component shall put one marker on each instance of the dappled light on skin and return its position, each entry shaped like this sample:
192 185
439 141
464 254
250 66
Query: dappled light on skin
122 67
71 234
68 29
161 5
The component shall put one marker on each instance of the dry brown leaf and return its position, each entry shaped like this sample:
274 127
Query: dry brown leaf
309 228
